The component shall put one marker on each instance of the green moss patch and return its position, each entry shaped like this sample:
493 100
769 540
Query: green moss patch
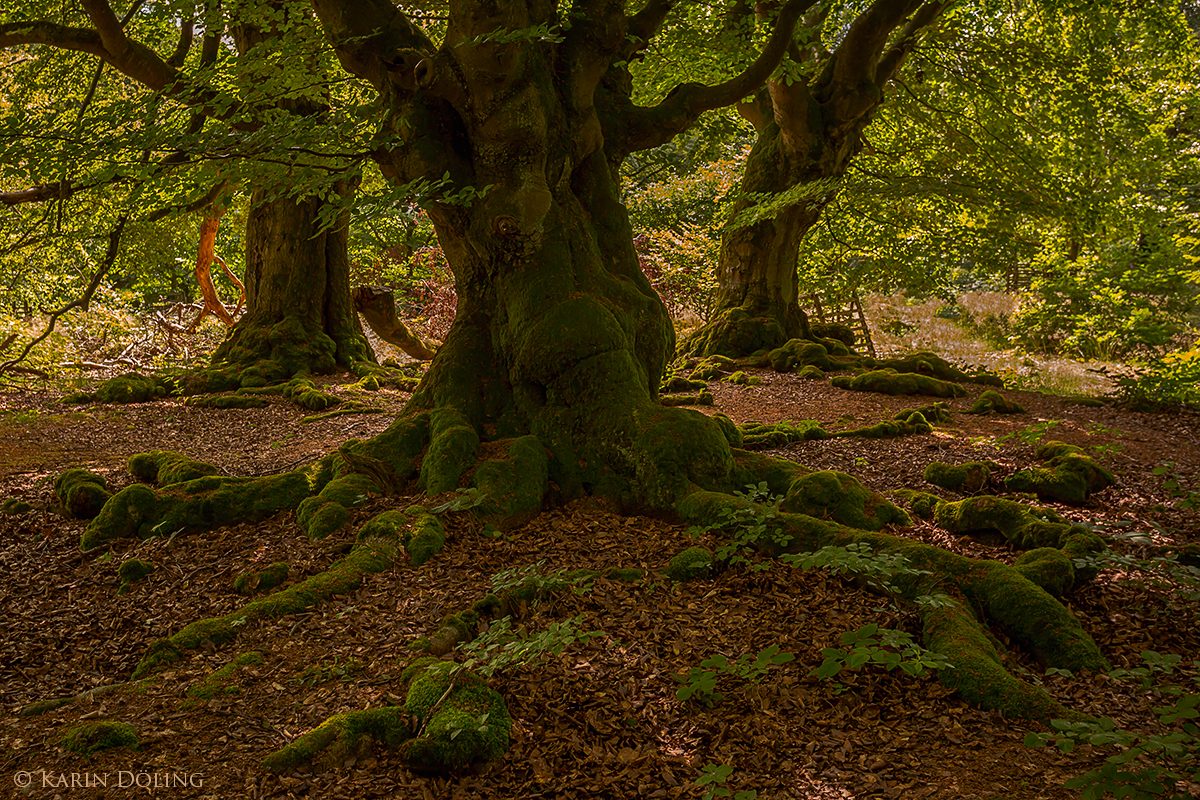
704 398
89 738
461 720
166 467
133 387
834 330
76 398
13 505
914 425
1070 475
692 563
991 402
677 384
226 401
82 493
889 381
261 581
710 368
777 434
809 372
968 478
799 353
741 378
926 363
220 681
133 570
934 413
922 504
1048 567
304 393
513 485
840 497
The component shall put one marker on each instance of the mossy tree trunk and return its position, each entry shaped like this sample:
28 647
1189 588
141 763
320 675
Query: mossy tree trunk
808 132
299 313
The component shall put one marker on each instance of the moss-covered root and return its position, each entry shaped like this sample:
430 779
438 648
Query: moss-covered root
968 478
452 445
995 591
261 581
691 564
421 533
777 434
1070 476
913 425
88 738
327 511
888 381
14 506
304 393
461 721
513 483
133 388
840 497
338 738
703 398
227 401
220 681
81 493
133 570
935 413
166 467
42 706
991 402
370 555
922 504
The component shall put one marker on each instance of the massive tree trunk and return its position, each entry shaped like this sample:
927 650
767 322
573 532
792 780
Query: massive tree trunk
807 135
299 313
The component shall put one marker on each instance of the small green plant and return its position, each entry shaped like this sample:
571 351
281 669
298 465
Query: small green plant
701 682
872 644
1146 766
1033 434
1185 497
283 441
860 560
463 500
747 527
1181 581
335 669
530 580
714 776
502 647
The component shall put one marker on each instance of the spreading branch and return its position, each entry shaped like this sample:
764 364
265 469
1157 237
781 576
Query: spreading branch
110 258
926 16
650 127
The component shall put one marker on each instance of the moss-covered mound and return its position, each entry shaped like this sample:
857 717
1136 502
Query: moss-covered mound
133 388
469 725
695 562
88 738
220 681
709 368
227 401
935 413
968 478
741 378
914 424
261 581
926 363
699 399
13 505
829 494
810 373
991 402
889 381
304 393
833 330
732 433
1070 475
260 353
1048 567
133 570
81 493
514 482
677 384
922 504
777 434
166 467
798 353
326 511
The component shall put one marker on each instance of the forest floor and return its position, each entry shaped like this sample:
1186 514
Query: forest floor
602 720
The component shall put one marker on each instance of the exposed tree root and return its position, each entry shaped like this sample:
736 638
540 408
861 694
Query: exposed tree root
981 590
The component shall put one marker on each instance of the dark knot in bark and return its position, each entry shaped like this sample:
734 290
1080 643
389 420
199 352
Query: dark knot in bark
505 226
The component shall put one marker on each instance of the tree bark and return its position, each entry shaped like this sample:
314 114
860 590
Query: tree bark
299 316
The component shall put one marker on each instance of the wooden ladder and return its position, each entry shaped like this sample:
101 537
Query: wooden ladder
851 316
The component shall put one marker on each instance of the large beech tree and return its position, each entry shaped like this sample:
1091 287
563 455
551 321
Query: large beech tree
300 316
809 121
546 387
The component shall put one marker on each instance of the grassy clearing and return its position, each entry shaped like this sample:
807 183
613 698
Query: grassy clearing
903 325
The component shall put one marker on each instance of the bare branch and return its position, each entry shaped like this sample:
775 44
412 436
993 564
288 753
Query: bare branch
926 16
